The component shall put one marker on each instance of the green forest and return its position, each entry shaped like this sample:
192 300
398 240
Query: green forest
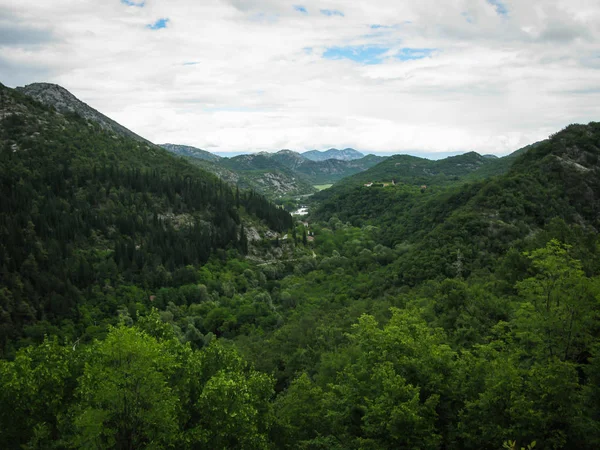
139 310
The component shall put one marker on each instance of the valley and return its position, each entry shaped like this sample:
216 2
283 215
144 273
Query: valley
163 297
284 174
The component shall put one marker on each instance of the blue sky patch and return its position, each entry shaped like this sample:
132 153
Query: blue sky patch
133 3
301 9
500 7
377 26
409 54
160 23
359 53
332 12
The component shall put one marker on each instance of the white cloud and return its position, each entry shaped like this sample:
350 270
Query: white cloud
258 80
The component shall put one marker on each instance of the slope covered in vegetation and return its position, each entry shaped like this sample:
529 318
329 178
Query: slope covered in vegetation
83 210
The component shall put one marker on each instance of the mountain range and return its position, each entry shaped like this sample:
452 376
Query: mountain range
281 174
347 154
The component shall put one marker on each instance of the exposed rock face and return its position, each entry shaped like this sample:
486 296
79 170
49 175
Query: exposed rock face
279 184
186 150
65 102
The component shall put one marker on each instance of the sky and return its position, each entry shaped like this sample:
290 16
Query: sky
425 77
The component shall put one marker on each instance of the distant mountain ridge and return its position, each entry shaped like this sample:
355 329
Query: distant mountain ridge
316 172
417 171
65 102
186 150
279 174
347 154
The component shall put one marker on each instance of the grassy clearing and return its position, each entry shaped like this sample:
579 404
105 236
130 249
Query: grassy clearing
320 187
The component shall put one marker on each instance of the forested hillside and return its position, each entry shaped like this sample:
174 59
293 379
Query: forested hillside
84 210
460 316
422 172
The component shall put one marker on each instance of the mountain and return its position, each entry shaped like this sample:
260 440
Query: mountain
281 174
83 209
417 171
483 217
186 150
65 102
272 182
348 154
316 172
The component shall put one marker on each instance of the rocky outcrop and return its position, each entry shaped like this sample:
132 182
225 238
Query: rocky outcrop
65 102
186 150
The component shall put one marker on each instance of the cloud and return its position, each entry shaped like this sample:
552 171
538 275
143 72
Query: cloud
12 34
15 31
157 25
248 75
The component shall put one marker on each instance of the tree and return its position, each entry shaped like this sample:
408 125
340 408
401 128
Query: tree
299 414
231 402
392 387
35 391
125 401
559 310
